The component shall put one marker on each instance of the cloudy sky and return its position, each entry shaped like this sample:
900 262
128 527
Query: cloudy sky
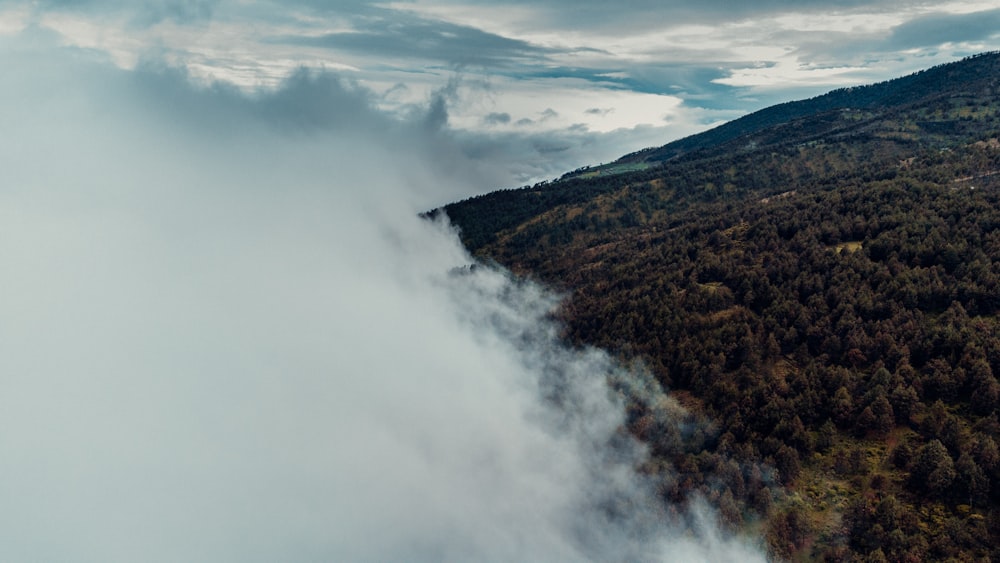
545 86
226 336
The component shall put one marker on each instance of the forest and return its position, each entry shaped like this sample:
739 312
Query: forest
819 283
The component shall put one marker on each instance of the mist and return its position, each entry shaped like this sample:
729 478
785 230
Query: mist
227 336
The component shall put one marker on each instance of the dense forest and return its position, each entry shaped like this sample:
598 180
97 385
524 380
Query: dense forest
821 282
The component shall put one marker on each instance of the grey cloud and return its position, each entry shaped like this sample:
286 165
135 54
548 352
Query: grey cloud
436 116
496 118
934 29
548 148
392 31
398 35
646 14
314 103
531 157
321 100
651 14
926 32
142 13
229 338
180 11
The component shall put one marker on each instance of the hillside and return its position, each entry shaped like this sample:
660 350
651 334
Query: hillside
970 76
821 281
936 109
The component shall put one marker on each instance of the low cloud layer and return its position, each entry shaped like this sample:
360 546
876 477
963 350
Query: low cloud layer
227 337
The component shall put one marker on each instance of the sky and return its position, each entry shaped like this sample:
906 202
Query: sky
536 88
225 333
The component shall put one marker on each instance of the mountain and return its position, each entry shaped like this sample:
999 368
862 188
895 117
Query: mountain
912 110
821 281
968 77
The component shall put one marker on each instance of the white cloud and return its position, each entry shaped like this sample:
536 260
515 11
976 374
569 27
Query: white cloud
228 337
790 74
573 97
13 19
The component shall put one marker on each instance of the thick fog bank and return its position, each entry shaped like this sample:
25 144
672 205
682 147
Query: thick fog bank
226 336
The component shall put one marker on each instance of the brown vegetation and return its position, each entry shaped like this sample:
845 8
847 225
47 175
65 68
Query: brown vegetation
827 301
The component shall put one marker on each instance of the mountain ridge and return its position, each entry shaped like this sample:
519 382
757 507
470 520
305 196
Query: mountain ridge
815 117
895 92
824 290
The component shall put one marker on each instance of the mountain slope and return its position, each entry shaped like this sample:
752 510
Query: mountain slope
969 76
937 108
823 283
